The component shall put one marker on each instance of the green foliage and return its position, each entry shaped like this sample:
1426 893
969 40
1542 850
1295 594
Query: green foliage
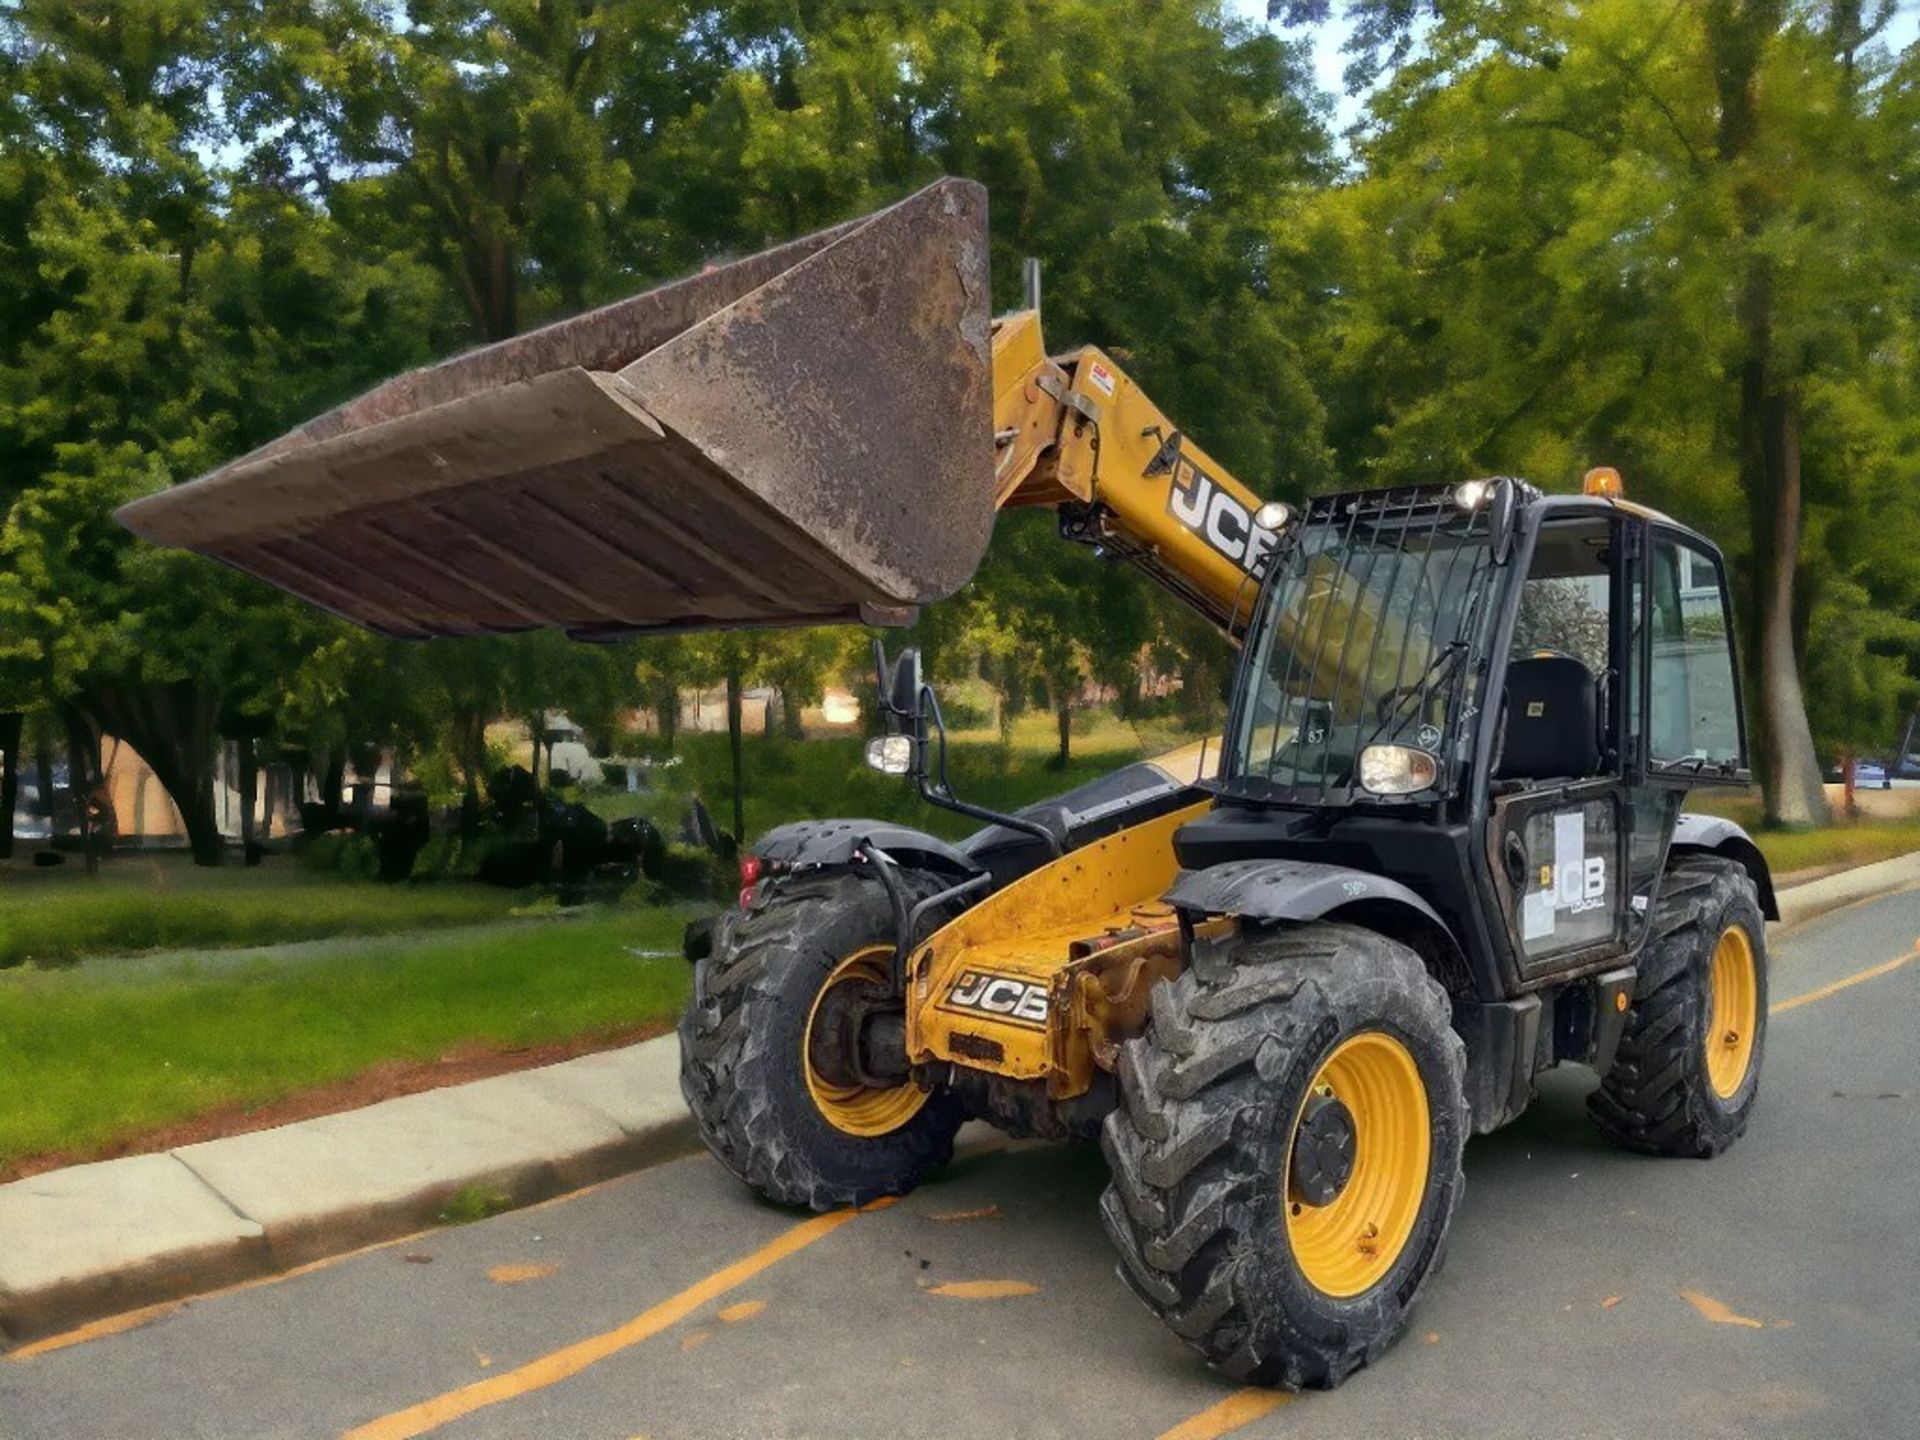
1678 238
471 1203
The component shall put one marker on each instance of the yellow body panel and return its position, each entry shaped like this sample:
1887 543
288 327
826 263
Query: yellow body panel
979 987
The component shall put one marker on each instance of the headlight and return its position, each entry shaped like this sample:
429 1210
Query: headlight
1397 769
890 754
1472 494
1272 516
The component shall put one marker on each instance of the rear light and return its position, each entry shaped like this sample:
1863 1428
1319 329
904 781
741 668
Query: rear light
749 877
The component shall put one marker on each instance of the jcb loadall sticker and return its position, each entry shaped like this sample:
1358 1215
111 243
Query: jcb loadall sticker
1573 884
980 992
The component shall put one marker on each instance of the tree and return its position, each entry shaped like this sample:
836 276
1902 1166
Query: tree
1663 235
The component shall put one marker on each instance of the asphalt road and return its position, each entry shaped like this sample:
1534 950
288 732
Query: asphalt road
1772 1292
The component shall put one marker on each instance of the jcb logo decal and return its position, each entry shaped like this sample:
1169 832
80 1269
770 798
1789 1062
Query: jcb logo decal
1215 514
1002 996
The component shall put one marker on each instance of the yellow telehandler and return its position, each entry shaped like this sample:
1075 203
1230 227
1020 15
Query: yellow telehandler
1282 976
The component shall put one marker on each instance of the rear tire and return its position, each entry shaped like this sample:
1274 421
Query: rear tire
743 1069
1205 1205
1685 1077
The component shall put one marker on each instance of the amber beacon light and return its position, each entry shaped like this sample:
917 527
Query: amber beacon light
1604 481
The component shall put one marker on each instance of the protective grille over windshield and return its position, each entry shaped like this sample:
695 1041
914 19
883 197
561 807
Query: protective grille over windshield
1367 629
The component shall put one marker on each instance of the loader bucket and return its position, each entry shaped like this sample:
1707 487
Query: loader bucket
801 437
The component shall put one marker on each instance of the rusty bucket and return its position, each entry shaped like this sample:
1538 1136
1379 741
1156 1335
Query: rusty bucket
800 437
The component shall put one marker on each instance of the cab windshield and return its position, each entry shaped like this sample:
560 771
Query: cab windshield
1367 621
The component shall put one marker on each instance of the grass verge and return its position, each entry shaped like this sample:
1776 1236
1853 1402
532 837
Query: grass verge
1859 843
164 902
94 1060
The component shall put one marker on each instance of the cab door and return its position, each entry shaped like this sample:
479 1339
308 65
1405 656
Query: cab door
1560 820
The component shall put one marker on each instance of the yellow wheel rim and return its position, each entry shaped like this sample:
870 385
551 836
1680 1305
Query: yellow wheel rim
1735 1013
1347 1245
858 1109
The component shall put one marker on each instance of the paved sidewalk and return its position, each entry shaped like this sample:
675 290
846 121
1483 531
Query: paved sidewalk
100 1239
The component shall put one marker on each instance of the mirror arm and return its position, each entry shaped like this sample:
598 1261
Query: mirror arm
941 793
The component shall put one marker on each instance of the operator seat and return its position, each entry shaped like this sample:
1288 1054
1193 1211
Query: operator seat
1551 729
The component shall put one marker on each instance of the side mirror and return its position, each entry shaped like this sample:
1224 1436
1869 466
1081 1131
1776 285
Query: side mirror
904 699
1500 517
900 750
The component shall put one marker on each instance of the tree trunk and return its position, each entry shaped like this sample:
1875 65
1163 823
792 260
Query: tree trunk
333 784
666 711
83 776
734 748
790 717
172 727
1789 770
249 794
43 766
11 724
1739 37
1063 714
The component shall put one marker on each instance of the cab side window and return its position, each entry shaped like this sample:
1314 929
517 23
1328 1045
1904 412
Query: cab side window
1694 706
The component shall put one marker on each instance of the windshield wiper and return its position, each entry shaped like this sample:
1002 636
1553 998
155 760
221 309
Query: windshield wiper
1425 683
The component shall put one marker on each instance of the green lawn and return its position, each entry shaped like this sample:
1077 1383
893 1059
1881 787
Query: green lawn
1857 841
97 1056
823 777
149 901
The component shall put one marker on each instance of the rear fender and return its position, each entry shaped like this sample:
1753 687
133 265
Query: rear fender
1713 835
812 844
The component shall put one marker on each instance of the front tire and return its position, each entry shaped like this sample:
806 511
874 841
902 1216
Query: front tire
1685 1077
762 1108
1286 1155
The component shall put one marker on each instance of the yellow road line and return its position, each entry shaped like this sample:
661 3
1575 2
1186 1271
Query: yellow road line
1243 1407
147 1314
559 1365
1837 986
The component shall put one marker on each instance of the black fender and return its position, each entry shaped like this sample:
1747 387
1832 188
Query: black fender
817 843
1714 835
1301 890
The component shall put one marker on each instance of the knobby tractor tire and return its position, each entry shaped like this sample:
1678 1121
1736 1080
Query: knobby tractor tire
1200 1148
1660 1096
742 1047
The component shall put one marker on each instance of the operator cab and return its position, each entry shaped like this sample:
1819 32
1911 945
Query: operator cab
1494 697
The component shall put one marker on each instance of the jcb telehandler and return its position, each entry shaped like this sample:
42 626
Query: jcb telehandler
1439 848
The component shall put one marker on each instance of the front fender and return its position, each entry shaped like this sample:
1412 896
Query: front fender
809 843
1298 891
1287 890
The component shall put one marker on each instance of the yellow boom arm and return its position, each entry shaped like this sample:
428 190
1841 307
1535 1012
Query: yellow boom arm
1074 432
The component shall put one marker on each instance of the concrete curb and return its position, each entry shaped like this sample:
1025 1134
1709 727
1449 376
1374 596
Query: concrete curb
97 1240
1802 903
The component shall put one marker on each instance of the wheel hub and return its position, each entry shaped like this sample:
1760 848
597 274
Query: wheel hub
1323 1150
